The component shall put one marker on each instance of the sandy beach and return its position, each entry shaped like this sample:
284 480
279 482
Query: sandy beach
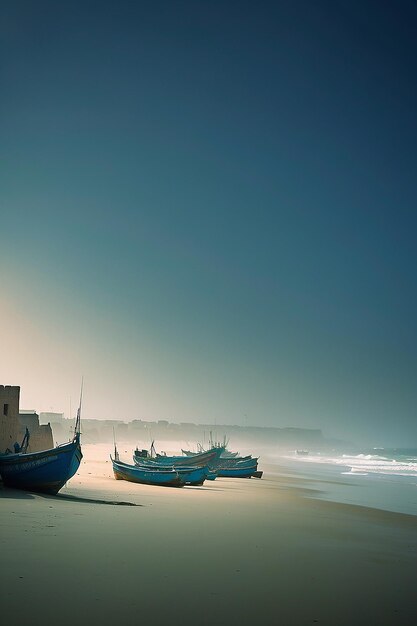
235 551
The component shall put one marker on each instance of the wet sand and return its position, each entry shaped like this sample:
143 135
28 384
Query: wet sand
233 552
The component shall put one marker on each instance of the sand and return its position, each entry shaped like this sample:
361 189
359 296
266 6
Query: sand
233 552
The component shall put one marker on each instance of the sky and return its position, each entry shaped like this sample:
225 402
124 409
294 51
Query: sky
208 210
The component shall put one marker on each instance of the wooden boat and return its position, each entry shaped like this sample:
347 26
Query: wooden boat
236 472
144 453
190 475
188 452
46 471
230 463
193 476
202 459
230 455
136 474
226 454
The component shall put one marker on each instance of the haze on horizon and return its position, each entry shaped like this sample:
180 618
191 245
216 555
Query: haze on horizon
208 209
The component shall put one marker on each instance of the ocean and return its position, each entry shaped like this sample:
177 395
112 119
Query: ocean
383 478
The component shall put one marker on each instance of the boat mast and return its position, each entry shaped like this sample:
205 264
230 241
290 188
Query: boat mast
116 454
78 419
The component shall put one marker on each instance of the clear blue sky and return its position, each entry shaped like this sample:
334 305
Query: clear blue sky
209 210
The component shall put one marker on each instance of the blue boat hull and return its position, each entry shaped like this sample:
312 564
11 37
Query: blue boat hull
193 476
44 472
164 478
234 472
240 462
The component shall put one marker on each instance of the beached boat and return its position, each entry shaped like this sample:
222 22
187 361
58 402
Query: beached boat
136 474
226 454
190 475
46 471
202 459
190 453
193 476
230 455
246 462
238 472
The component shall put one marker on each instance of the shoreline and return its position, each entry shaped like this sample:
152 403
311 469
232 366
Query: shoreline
397 494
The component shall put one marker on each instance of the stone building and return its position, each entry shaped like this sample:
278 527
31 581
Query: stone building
10 427
51 418
13 424
29 419
40 436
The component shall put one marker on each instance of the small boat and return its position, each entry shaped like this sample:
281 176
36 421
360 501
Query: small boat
226 454
46 471
193 476
238 472
230 463
198 460
301 452
135 474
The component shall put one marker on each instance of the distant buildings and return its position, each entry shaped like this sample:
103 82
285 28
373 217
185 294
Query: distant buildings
139 432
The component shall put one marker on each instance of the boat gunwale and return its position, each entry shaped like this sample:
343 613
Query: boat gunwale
25 457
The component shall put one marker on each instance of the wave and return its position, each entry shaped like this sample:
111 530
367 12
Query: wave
364 464
365 456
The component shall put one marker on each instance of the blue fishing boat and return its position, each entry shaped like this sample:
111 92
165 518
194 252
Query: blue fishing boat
230 463
46 471
205 458
238 472
135 474
194 476
226 454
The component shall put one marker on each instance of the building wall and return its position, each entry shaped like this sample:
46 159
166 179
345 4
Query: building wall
40 436
41 439
10 428
29 420
51 418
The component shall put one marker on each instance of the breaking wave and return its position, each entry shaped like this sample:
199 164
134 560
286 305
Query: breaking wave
394 464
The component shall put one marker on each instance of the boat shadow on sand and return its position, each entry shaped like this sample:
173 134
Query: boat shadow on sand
18 494
15 494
